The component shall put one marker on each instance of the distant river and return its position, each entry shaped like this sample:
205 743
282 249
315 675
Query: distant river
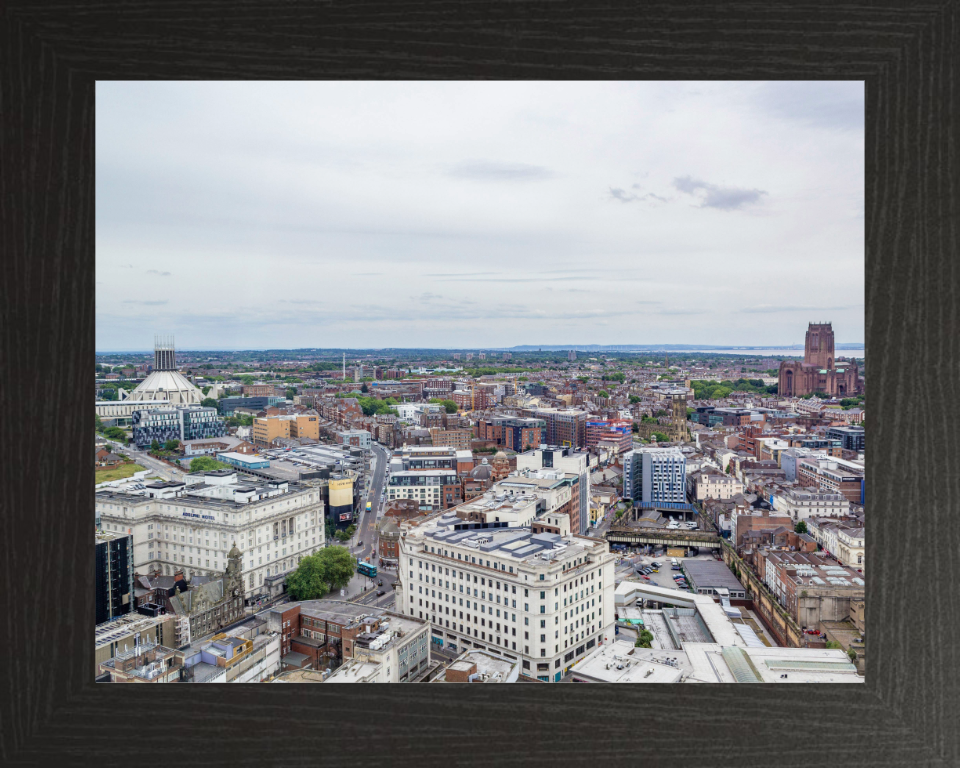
760 352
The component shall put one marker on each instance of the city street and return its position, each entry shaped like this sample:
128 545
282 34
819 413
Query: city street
146 461
367 527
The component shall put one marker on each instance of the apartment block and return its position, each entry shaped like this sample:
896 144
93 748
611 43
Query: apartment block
266 429
851 438
434 489
569 461
358 438
833 475
183 422
517 434
458 439
655 475
566 427
617 431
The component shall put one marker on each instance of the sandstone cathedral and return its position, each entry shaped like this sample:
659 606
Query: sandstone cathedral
821 372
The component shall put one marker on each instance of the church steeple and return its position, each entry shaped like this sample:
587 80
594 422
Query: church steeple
233 575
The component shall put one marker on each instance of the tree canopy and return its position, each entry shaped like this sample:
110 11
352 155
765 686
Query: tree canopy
316 575
448 405
208 402
207 464
372 406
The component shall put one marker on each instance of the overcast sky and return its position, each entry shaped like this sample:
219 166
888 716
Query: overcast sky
284 215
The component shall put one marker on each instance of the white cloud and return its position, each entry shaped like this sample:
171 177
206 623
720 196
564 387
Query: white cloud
432 214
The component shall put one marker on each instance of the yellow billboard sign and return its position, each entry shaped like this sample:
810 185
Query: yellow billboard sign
341 492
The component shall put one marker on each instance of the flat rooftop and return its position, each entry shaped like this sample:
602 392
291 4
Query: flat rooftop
496 669
714 663
711 574
353 672
336 611
620 662
520 544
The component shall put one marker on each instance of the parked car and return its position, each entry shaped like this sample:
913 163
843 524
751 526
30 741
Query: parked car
380 593
644 576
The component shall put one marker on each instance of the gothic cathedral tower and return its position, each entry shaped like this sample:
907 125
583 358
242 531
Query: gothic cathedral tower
818 349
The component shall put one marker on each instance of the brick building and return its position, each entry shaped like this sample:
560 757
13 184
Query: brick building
388 544
517 434
260 390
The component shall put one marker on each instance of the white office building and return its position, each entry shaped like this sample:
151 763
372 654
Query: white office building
543 598
192 525
804 503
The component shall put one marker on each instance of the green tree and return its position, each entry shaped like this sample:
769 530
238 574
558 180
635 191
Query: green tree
208 402
290 393
109 393
364 388
833 644
634 399
207 464
309 580
801 527
660 437
205 390
644 640
352 529
603 393
852 653
98 425
171 445
338 564
155 445
115 433
247 380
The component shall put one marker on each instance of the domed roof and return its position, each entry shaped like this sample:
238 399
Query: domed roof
500 455
167 385
481 472
234 553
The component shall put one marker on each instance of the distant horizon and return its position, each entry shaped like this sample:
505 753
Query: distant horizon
841 346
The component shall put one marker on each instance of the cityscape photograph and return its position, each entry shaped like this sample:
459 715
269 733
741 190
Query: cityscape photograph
480 382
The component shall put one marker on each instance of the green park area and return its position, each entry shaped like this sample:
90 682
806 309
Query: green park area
117 473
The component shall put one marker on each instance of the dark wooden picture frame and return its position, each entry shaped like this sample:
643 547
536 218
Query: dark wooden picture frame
51 712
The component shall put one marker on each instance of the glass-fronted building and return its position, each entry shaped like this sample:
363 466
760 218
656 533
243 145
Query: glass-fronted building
185 422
